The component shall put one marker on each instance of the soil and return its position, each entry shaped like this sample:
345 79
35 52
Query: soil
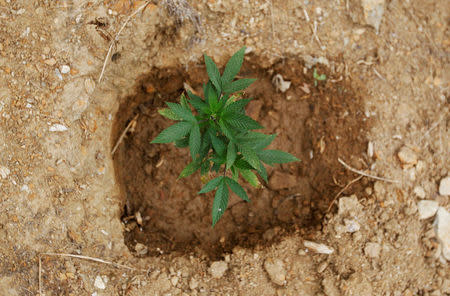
69 223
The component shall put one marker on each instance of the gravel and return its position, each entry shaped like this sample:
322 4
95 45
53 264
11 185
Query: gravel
372 250
275 270
318 248
444 186
427 208
218 269
442 228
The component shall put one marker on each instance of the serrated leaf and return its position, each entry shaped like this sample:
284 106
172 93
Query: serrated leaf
242 164
166 112
211 96
225 130
249 156
237 106
173 132
205 147
257 141
181 112
218 144
250 177
199 104
233 66
204 169
262 171
231 154
211 185
220 202
237 188
213 73
194 140
184 102
276 156
238 85
182 143
190 169
241 121
234 173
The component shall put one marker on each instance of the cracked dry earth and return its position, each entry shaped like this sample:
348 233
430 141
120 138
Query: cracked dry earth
383 111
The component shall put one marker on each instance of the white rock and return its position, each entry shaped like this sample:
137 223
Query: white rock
373 12
349 205
420 192
407 157
318 248
351 225
4 172
427 208
370 149
372 250
276 271
218 268
281 84
89 85
58 128
442 229
193 284
141 249
99 283
444 186
174 280
65 69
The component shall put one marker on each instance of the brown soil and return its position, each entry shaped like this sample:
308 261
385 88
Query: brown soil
318 125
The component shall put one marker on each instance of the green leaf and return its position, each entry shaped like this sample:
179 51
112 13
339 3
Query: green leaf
250 177
213 73
173 132
199 104
262 172
190 169
257 141
225 130
238 85
231 154
235 173
276 156
237 106
233 66
242 164
211 185
181 112
218 144
205 167
250 156
220 202
182 143
194 140
211 96
241 121
184 102
236 188
206 145
166 112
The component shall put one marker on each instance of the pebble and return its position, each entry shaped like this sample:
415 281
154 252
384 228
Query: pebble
444 186
318 248
349 204
419 192
99 283
50 62
4 172
141 249
218 269
373 12
193 284
322 267
58 128
427 208
281 84
65 69
407 157
275 270
372 250
442 229
89 85
174 281
351 225
370 149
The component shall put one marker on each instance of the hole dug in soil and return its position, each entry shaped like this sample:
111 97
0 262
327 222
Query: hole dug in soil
316 124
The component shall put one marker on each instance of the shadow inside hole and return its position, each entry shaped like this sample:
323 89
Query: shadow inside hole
316 124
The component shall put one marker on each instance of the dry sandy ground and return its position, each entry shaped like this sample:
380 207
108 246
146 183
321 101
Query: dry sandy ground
60 191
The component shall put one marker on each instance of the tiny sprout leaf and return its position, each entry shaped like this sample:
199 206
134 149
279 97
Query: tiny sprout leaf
213 73
173 132
236 188
276 156
220 202
233 66
238 85
211 185
166 112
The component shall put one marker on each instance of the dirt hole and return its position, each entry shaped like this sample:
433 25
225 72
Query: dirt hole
316 124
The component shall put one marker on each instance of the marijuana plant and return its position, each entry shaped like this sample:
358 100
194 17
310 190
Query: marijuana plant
318 77
220 136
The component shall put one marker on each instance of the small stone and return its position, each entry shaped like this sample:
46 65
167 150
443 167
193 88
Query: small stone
218 269
57 128
65 69
372 250
419 192
329 286
89 85
141 249
349 205
442 229
370 149
318 248
444 186
276 271
280 84
4 172
427 208
193 284
407 157
322 267
148 168
50 62
174 281
99 283
280 180
351 225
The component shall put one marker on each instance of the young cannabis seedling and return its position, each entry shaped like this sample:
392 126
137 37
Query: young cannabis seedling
318 77
220 136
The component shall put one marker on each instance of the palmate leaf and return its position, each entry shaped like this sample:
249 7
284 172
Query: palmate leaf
173 132
238 85
220 202
236 188
213 73
241 121
233 66
195 140
181 112
276 156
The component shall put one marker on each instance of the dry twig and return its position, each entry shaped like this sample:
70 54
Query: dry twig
122 135
365 174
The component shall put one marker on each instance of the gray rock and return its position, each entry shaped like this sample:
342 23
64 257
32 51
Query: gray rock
442 229
275 270
444 186
218 269
427 208
372 250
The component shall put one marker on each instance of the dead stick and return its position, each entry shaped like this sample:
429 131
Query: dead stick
365 174
343 189
123 134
